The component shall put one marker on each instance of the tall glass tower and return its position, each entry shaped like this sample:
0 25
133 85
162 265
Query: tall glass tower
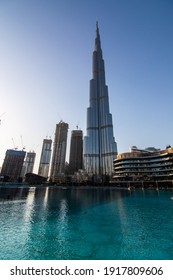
59 151
76 151
100 147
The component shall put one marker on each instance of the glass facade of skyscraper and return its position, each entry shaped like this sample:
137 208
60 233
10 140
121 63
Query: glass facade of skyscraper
76 151
100 148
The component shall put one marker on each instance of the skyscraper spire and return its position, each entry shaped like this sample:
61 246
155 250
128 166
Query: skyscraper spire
97 30
99 145
97 40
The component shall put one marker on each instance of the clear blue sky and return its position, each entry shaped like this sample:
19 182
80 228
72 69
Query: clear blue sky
46 64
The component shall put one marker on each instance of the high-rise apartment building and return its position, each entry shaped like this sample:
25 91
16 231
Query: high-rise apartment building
76 151
45 158
59 151
12 165
100 148
28 164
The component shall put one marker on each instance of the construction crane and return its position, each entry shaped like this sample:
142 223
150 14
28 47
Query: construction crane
34 148
15 147
1 116
23 147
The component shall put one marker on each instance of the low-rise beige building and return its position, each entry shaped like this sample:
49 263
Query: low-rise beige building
144 165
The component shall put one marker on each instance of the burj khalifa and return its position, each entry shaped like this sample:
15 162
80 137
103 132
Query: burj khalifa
100 148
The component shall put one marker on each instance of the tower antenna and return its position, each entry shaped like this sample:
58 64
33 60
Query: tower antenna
23 148
14 146
1 116
77 126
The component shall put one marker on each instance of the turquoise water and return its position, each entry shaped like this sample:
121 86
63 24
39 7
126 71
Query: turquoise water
52 223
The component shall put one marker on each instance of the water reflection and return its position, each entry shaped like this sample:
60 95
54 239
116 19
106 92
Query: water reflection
29 205
95 223
45 201
63 210
51 198
11 194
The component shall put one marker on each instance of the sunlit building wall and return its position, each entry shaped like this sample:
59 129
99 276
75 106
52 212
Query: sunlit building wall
144 165
28 164
45 158
100 148
29 161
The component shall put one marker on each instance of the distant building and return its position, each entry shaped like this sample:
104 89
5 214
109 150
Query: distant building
76 151
59 152
12 165
45 158
28 164
144 165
